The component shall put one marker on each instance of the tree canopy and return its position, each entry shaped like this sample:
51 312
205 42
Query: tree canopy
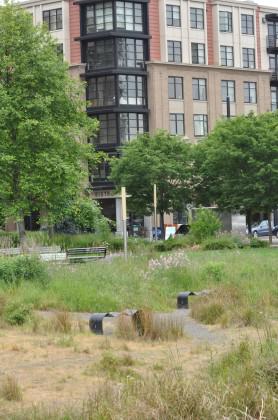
42 121
236 167
160 159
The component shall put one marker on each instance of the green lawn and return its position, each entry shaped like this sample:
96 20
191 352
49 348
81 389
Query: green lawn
115 285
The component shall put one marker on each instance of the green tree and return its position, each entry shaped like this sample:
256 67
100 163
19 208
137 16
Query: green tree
237 166
42 121
160 159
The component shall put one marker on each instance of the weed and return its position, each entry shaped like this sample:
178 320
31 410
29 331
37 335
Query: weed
17 314
10 389
207 311
62 322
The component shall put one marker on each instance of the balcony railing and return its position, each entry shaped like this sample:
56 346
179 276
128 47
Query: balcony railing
274 76
272 41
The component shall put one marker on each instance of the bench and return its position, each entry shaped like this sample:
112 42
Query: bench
10 251
86 254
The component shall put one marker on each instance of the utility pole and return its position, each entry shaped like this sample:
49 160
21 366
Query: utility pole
228 101
155 210
123 194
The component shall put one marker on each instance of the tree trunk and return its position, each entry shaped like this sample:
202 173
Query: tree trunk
50 231
21 231
162 225
269 228
249 221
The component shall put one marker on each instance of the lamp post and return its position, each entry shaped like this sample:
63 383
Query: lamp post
123 195
155 210
228 101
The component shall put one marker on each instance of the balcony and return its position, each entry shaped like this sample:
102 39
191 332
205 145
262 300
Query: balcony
272 44
274 78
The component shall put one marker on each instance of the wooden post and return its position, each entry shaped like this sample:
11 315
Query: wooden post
123 191
155 210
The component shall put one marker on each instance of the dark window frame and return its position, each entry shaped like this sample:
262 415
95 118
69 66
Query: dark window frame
100 51
247 24
249 58
137 18
141 125
177 83
274 93
132 83
225 21
227 85
248 88
57 23
196 88
176 118
196 18
198 53
134 50
103 89
224 51
174 49
106 24
170 13
106 124
204 121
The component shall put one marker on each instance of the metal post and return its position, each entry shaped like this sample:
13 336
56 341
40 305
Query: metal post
228 107
155 210
124 220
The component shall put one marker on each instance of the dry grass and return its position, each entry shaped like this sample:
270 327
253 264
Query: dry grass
62 323
10 389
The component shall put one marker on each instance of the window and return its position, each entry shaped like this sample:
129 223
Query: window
273 62
199 89
274 98
227 56
108 129
196 18
175 87
130 52
226 21
99 54
250 92
173 15
247 24
101 91
99 17
177 124
200 123
198 53
132 90
174 51
228 90
101 172
60 50
131 125
53 19
248 55
129 16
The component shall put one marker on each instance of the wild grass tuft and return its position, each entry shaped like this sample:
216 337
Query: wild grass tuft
10 389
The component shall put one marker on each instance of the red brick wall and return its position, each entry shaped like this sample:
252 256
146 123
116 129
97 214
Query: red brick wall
154 30
74 25
210 33
258 33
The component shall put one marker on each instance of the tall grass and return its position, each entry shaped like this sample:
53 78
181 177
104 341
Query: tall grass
247 278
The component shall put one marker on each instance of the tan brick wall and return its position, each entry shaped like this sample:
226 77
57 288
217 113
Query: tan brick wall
160 106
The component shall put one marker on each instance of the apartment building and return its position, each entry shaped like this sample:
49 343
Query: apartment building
164 64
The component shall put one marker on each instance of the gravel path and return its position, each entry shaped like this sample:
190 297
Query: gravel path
192 328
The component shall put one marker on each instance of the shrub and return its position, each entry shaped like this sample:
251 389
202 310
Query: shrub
15 269
206 224
207 312
221 242
214 271
17 314
258 243
9 239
